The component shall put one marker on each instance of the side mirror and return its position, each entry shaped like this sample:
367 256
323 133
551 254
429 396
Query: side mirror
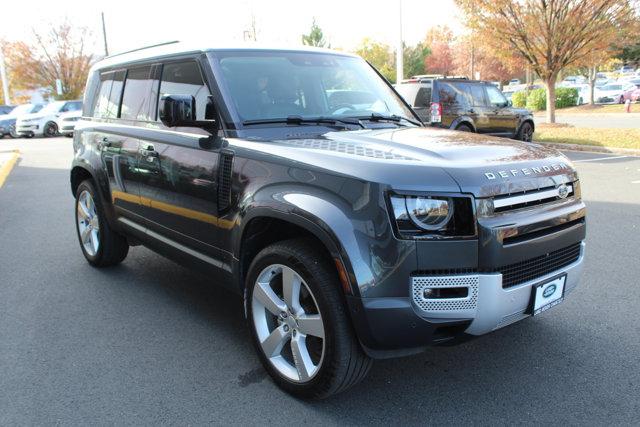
180 110
509 103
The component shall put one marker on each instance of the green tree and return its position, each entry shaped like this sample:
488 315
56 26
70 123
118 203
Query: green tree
414 58
380 56
315 37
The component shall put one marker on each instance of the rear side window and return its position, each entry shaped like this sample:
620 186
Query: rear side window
476 95
108 95
138 97
184 78
452 95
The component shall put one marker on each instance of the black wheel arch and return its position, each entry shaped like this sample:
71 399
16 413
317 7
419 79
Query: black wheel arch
81 171
463 120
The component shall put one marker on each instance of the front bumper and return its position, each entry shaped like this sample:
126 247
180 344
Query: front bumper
391 327
27 129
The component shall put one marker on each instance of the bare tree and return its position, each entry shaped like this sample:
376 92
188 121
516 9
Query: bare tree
60 54
550 34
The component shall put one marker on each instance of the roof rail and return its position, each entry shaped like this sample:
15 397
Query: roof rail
143 48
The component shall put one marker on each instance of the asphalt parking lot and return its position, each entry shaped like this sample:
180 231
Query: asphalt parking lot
150 342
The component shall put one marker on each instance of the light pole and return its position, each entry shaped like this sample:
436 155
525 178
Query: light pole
104 35
400 48
5 83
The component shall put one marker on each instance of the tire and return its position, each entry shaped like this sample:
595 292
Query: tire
334 362
50 130
464 128
526 132
105 247
13 133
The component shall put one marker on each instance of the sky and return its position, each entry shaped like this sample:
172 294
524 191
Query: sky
132 24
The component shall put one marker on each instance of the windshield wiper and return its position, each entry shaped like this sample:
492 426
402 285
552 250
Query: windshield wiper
299 120
377 117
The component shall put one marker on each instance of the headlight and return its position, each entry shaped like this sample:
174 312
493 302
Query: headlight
429 213
433 216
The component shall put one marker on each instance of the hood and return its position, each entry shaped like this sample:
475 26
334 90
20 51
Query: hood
429 159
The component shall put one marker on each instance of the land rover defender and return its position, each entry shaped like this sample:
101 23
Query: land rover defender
302 181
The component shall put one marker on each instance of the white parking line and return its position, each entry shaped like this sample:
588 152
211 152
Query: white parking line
600 158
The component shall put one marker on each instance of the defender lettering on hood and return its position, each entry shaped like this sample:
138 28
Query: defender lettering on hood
526 171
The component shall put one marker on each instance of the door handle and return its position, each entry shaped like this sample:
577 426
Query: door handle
148 150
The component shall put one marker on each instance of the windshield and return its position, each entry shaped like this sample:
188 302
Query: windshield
54 107
612 87
277 85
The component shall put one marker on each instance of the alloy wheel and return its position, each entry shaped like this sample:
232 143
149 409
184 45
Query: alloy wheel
88 223
527 133
51 130
288 323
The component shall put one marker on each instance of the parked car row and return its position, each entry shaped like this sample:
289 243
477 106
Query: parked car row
42 120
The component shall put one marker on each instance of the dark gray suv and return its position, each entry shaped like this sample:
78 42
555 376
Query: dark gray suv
302 181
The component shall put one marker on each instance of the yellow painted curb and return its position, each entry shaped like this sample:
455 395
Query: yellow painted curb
6 168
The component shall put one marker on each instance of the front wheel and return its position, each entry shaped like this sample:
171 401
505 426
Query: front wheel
526 132
13 133
299 322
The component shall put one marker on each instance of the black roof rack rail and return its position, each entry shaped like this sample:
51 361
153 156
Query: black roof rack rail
143 48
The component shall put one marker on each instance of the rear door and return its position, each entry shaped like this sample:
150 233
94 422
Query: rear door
478 109
119 152
178 167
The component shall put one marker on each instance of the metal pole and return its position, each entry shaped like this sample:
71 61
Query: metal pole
400 48
5 82
473 61
104 35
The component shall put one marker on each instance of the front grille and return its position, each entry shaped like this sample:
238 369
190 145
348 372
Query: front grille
524 271
526 199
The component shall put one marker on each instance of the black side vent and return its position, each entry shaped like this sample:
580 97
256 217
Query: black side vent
224 181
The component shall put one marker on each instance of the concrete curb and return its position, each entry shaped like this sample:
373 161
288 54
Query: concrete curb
5 169
591 148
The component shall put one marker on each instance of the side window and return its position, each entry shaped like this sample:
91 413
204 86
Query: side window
476 95
184 78
71 106
423 98
452 95
108 95
137 97
496 98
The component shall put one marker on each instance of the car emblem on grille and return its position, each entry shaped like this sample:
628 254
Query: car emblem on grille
563 191
549 291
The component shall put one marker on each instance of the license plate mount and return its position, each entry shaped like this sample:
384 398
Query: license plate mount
547 294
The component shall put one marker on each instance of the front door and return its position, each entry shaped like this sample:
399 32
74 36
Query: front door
503 119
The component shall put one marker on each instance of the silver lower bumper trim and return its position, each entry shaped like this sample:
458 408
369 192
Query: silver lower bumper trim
496 307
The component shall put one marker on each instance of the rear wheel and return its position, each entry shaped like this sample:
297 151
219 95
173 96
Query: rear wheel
526 132
299 322
100 245
50 130
464 128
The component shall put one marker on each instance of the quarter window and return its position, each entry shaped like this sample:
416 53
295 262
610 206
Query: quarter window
184 78
453 95
138 94
109 93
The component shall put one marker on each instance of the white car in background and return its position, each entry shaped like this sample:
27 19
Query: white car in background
67 122
612 93
43 123
573 80
8 121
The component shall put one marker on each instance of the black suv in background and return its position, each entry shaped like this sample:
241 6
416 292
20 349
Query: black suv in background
466 105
